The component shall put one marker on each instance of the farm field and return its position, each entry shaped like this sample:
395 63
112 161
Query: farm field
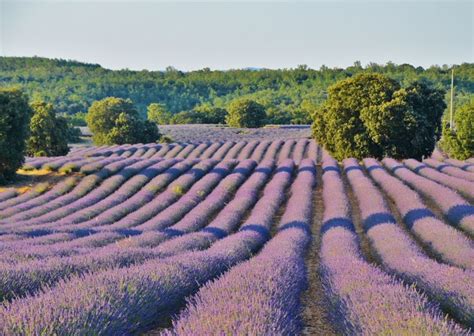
256 233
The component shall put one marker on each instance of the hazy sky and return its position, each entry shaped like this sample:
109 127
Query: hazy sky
222 35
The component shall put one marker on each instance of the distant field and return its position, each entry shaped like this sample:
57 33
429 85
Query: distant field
203 133
248 232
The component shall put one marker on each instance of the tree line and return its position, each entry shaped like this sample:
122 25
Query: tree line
288 95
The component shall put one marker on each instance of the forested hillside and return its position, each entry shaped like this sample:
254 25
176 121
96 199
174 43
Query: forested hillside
288 95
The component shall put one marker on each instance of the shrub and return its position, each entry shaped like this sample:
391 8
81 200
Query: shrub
116 121
48 133
158 114
245 113
459 142
15 114
370 115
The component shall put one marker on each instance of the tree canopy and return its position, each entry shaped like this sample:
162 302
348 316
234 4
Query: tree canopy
245 113
370 115
116 121
459 142
72 86
15 114
48 133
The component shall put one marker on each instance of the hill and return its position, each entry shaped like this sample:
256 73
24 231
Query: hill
287 94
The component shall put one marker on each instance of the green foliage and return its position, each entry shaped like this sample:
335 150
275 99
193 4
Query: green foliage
245 113
15 114
72 86
48 133
202 114
369 115
158 114
459 143
116 121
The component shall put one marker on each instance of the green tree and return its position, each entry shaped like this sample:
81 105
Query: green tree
15 114
245 113
371 115
211 114
48 133
459 143
116 121
158 114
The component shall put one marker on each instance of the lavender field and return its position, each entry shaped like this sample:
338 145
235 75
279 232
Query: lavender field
222 235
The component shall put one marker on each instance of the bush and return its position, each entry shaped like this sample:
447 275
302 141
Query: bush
158 114
15 114
48 133
369 115
116 121
246 113
459 143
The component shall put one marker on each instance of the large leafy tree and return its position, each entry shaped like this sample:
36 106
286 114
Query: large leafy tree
116 121
459 142
15 114
158 114
245 113
48 133
371 115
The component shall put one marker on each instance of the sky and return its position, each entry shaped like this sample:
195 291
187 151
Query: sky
191 35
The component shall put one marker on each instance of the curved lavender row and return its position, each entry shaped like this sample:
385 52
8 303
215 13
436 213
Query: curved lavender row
140 151
84 186
260 296
143 197
286 149
59 189
247 151
162 151
312 151
456 209
77 165
124 191
150 152
448 243
299 150
198 150
234 150
129 152
467 165
36 162
173 152
23 251
29 277
171 195
231 215
56 164
127 300
212 151
95 166
7 194
452 287
461 185
30 194
80 196
190 215
364 300
222 150
272 150
260 150
186 151
449 169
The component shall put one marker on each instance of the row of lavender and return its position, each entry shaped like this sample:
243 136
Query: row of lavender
256 150
260 296
182 227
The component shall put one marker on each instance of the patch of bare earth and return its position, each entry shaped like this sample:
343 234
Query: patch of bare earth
315 313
